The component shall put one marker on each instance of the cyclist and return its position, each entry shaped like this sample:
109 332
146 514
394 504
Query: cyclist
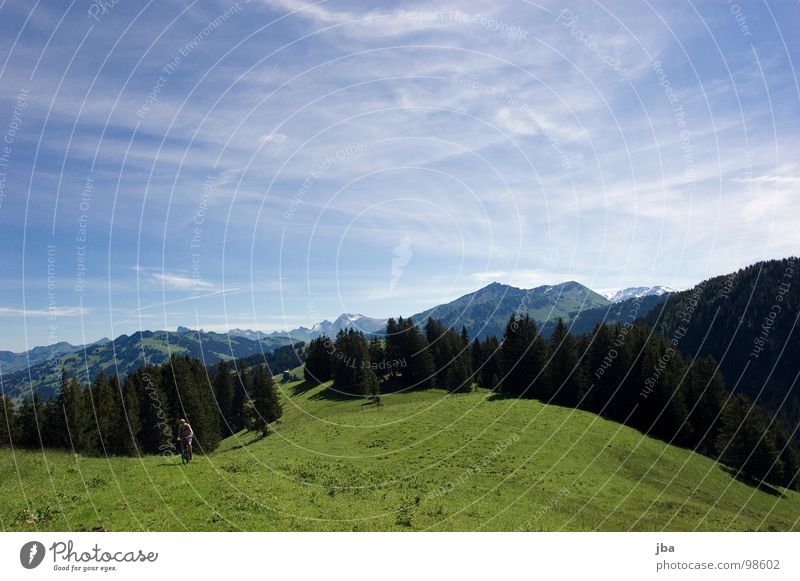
185 434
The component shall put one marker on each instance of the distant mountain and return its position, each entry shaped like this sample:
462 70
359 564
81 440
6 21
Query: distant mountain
246 333
636 292
367 325
11 362
126 353
486 311
748 321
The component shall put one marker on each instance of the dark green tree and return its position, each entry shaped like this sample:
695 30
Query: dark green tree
565 372
524 355
224 393
265 406
415 352
319 363
156 434
745 443
241 383
191 394
8 422
70 420
705 398
29 417
377 358
104 416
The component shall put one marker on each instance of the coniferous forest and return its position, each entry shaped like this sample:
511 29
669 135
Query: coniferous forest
139 414
624 372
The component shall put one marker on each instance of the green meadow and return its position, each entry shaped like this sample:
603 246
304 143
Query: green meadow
424 460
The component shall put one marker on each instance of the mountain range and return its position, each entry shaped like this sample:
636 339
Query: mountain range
121 356
483 312
366 325
746 320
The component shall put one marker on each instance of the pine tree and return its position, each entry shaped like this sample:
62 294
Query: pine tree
27 422
70 421
705 398
490 368
377 358
368 383
458 375
672 420
58 436
599 363
745 444
435 335
192 398
241 384
523 358
155 419
392 347
130 413
104 417
8 424
476 358
265 407
564 368
319 362
416 351
223 391
789 456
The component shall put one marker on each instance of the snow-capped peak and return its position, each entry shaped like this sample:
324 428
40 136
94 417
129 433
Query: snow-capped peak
636 292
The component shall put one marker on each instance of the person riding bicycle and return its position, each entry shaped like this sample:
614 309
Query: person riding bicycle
185 435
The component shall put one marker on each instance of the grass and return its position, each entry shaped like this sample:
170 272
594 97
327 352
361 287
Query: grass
421 461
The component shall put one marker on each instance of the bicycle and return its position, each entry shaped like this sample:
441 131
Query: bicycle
186 452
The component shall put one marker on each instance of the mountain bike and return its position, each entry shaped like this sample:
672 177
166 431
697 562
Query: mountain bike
186 452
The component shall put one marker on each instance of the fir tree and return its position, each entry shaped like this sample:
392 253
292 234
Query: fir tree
265 407
223 391
523 358
319 362
155 419
564 369
7 421
745 444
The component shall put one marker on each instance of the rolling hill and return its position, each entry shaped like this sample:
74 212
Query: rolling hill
128 352
424 460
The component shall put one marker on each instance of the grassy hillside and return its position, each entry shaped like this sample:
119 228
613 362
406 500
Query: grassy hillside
422 461
127 353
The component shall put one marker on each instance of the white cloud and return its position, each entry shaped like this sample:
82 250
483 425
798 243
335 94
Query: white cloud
180 282
52 312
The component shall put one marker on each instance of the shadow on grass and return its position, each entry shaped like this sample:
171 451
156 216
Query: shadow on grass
388 387
252 440
304 386
498 396
752 482
332 394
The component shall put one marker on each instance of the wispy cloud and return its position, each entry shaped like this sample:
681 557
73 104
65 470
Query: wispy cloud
39 313
180 283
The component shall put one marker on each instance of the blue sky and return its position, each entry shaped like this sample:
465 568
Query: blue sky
266 164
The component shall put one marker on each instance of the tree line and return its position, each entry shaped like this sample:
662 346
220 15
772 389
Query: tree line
624 372
139 414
